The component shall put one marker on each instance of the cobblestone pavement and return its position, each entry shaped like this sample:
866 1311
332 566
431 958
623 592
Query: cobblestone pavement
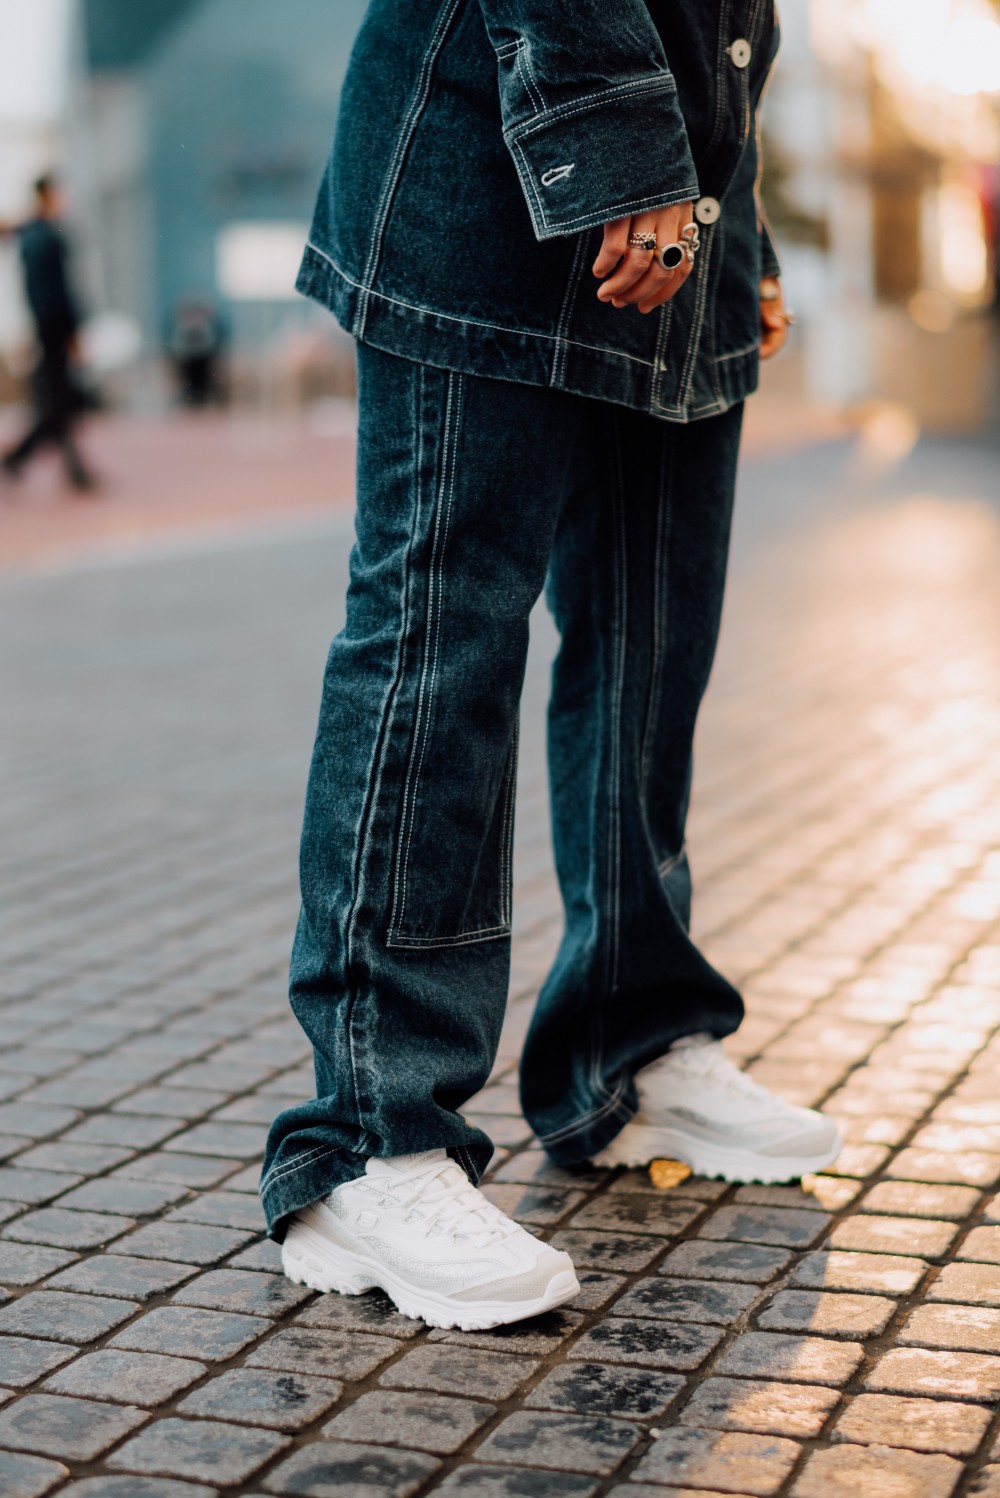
841 1340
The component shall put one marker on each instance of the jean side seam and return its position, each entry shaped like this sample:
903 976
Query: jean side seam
586 1120
664 519
566 311
279 1167
507 849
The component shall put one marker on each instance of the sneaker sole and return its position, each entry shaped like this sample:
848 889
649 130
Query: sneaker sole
308 1258
638 1144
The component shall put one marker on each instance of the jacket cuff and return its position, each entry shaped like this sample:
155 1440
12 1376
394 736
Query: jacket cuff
770 265
604 157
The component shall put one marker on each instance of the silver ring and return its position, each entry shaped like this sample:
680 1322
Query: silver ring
670 256
642 241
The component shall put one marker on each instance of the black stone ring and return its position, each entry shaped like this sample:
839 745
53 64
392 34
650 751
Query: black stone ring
671 256
642 242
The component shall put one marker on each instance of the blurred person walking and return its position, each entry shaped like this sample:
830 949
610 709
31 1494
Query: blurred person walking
514 424
56 393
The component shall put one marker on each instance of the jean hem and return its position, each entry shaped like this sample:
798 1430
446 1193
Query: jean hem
298 1186
592 1135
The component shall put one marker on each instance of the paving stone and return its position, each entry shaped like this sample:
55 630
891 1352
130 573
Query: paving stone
185 1242
455 1370
236 1141
242 1290
173 1102
345 1354
851 1471
631 1181
532 1167
373 1312
75 1429
341 1469
874 1273
63 1316
26 1263
538 1206
114 1194
686 1300
58 1228
143 1378
33 1187
265 1256
962 1375
82 1159
35 1120
692 1457
626 1252
827 1193
914 1424
675 1345
768 1408
596 1289
418 1422
911 1236
540 1438
534 1337
987 1484
604 1389
25 1360
972 1284
260 1396
188 1331
772 1225
807 1360
110 1274
136 1487
227 1209
908 1199
664 1215
969 1169
981 1246
206 1450
964 1328
108 1128
28 1476
186 1170
829 1315
726 1261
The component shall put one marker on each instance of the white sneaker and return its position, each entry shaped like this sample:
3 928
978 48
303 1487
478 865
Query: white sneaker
417 1228
696 1106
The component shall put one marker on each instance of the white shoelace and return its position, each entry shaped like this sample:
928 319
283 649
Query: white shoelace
443 1198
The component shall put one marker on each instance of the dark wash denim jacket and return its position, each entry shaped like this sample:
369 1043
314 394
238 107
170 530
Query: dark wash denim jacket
481 146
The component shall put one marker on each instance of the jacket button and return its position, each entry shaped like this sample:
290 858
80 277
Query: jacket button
708 210
740 52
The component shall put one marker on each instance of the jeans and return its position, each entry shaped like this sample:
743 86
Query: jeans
470 492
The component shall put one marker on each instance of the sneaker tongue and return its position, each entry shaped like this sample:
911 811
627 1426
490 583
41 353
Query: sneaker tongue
403 1164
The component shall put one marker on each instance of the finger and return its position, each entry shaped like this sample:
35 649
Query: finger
613 246
636 262
658 284
772 343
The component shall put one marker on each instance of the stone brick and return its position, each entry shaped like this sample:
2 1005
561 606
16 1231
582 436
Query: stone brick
456 1370
34 1120
26 1264
987 1484
187 1170
185 1242
81 1159
76 1429
109 1129
915 1237
539 1206
970 1169
655 1344
33 1187
142 1378
417 1422
697 1259
341 1469
64 1317
188 1331
475 1481
962 1375
775 1355
596 1289
982 1246
768 1408
686 1300
914 1424
226 1209
235 1141
25 1360
964 1328
663 1215
535 1337
265 1256
604 1389
242 1290
258 1396
110 1274
974 1284
171 1102
631 1181
829 1315
117 1195
109 1486
910 1199
58 1228
28 1476
861 1471
205 1450
540 1438
876 1274
771 1225
365 1313
626 1252
321 1353
691 1457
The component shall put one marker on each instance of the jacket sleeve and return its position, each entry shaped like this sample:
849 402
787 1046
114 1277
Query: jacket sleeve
590 111
770 265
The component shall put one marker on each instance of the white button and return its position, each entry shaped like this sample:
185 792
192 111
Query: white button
708 210
740 52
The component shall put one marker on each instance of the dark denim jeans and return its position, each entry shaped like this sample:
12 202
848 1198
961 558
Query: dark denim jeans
470 491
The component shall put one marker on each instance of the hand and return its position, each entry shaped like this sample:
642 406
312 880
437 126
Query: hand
775 319
640 280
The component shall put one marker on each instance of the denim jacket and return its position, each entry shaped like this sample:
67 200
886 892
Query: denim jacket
482 144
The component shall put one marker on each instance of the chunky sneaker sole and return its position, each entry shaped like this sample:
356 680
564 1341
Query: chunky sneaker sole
639 1144
310 1258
